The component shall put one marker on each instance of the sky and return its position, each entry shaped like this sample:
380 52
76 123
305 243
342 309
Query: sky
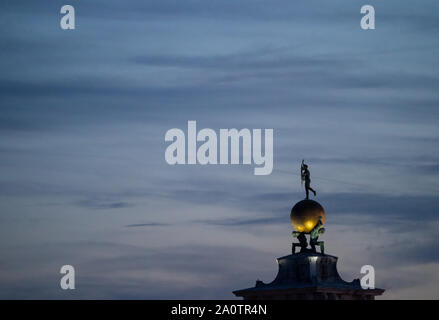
84 112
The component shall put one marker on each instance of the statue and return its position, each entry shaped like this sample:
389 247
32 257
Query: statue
314 237
306 176
307 217
303 243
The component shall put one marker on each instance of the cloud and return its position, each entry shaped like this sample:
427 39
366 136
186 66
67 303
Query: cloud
103 205
256 59
114 271
19 125
376 209
238 222
415 251
151 224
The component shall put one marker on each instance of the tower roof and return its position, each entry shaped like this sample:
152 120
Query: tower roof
307 272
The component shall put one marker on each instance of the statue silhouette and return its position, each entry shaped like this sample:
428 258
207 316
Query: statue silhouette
314 237
303 243
306 176
317 231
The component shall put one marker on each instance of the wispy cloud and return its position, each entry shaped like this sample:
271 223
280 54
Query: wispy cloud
150 224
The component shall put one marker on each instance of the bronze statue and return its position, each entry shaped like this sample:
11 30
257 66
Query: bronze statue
314 236
303 243
306 176
307 217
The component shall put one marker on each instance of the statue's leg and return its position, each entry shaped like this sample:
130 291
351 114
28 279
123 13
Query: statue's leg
307 193
322 247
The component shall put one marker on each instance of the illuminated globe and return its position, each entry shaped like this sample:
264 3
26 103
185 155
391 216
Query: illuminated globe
305 215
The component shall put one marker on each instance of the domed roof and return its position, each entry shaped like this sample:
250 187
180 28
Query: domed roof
305 215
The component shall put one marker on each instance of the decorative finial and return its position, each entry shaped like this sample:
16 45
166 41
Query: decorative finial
307 217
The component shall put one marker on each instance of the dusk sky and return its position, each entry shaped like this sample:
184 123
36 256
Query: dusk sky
84 112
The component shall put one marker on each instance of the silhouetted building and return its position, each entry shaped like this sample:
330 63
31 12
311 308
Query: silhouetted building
308 276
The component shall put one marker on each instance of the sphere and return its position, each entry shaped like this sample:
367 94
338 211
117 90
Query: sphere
305 215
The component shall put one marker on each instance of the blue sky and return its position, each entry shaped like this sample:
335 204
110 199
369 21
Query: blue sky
83 179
